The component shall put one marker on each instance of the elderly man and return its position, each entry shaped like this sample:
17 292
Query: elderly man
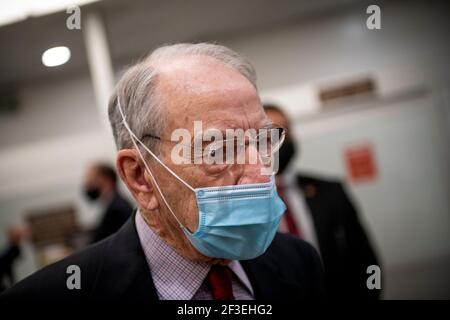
203 230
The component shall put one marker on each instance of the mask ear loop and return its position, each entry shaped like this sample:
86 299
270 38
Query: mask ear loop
147 149
133 139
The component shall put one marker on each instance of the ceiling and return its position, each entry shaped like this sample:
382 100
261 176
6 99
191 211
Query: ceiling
134 27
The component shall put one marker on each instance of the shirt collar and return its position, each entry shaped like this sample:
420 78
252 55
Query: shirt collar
175 277
288 177
238 270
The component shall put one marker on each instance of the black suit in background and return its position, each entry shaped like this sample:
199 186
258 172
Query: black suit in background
115 215
7 258
345 248
116 268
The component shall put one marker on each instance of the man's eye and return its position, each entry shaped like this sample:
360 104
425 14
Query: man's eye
214 155
210 151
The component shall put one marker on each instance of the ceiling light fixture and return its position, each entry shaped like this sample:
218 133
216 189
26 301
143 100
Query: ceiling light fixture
55 56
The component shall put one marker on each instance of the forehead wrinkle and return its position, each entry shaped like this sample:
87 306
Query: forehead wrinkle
201 94
212 110
200 75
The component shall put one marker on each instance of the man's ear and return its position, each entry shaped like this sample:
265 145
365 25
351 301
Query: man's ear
132 172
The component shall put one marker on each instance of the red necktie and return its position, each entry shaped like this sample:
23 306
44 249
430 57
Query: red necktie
219 278
292 226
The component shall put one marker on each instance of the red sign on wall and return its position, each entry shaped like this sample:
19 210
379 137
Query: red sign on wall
360 163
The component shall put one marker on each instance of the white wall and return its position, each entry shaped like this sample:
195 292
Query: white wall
336 45
406 208
45 148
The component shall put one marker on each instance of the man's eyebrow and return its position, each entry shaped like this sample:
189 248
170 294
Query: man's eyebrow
267 123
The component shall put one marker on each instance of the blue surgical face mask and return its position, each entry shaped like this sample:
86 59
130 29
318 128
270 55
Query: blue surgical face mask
235 222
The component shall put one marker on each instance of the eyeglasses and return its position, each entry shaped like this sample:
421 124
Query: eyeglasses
264 142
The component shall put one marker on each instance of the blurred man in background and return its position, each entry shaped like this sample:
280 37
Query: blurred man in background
321 213
101 185
9 254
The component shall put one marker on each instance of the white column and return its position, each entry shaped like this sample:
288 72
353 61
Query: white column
100 66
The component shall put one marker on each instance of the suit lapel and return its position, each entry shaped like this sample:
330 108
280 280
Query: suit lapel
312 195
125 273
266 279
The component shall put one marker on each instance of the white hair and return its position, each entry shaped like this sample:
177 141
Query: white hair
143 106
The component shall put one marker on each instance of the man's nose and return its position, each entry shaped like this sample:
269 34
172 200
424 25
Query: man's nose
253 172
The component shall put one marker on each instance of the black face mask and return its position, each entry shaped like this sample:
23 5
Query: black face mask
92 193
285 155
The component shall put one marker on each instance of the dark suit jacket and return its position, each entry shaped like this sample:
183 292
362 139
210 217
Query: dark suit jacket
7 257
116 268
345 249
115 215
